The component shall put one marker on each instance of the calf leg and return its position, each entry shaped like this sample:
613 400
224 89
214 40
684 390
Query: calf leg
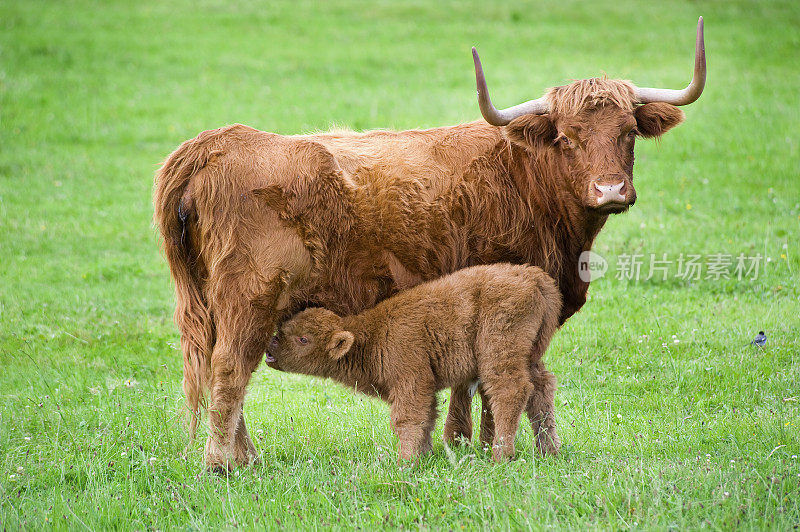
458 425
503 357
430 424
541 410
413 419
508 395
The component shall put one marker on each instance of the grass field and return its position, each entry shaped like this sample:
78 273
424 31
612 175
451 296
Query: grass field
669 420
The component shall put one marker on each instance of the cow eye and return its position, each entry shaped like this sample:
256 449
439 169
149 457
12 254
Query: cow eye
303 340
566 141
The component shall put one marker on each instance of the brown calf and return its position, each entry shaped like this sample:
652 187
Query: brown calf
490 323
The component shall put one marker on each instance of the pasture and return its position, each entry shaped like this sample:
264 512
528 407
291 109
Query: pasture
669 418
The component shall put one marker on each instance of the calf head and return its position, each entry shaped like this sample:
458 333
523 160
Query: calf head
585 131
309 342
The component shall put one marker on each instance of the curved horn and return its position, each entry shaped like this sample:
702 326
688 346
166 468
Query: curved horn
695 88
501 117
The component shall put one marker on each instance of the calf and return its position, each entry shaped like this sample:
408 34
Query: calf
487 323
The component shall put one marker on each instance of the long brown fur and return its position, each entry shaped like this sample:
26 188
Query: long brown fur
570 100
488 323
257 226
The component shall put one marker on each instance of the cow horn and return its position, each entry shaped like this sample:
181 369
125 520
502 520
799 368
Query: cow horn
690 93
501 117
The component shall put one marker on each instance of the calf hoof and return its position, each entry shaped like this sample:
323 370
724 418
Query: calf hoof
411 456
502 454
407 462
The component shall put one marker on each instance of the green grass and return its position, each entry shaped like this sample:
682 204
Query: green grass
657 434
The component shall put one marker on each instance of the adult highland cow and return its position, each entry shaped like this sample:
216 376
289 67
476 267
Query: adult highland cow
257 226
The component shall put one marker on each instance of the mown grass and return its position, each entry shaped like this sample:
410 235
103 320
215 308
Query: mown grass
702 432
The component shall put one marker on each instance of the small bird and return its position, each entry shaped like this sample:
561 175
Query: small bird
760 340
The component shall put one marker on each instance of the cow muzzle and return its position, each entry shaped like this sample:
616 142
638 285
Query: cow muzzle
612 195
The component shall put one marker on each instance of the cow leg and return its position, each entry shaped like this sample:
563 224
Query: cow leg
541 410
458 425
242 335
232 362
244 451
487 421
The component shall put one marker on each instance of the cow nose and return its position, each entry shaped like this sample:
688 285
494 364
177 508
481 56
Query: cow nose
610 193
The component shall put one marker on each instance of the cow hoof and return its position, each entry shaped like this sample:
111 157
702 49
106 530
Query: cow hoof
246 454
219 470
217 459
457 438
548 444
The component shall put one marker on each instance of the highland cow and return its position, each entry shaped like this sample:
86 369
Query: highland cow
486 323
257 226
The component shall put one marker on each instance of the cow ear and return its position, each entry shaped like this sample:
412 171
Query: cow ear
655 119
531 131
340 344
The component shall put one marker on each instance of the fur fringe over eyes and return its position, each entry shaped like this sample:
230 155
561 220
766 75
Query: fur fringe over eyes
569 100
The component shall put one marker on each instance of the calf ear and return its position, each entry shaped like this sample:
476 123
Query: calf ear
655 119
340 344
531 131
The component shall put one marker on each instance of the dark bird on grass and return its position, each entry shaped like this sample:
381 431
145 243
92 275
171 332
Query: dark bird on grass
760 340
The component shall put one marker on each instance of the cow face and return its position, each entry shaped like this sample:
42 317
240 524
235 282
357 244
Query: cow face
594 148
309 342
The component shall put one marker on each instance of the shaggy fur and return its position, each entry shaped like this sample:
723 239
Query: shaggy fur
491 323
257 226
570 100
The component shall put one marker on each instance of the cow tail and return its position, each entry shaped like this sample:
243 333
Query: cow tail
173 211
